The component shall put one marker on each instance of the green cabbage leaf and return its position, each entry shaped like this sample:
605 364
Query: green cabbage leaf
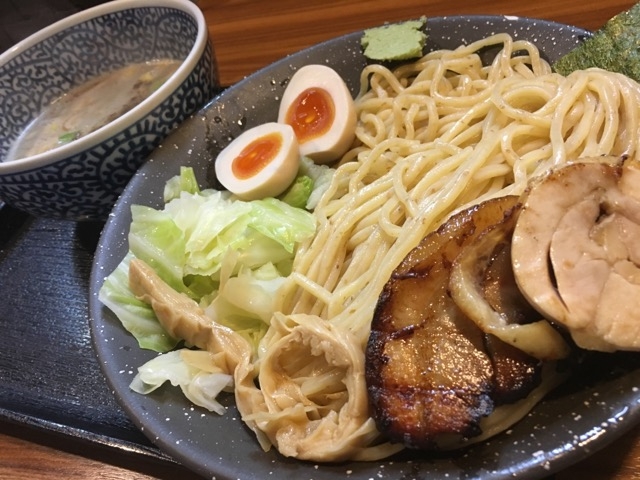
230 256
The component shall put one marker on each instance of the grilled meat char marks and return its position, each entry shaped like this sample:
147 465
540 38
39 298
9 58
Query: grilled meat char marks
432 374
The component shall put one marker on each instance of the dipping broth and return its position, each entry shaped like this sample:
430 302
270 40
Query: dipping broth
90 106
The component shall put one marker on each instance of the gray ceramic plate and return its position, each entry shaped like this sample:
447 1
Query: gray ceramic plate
585 415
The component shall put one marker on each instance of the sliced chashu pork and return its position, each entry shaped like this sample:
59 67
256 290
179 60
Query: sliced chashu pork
435 379
576 251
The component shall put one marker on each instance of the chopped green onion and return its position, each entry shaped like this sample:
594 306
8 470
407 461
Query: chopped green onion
68 137
158 83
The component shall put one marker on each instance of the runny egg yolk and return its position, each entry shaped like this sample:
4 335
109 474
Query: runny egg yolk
311 114
256 155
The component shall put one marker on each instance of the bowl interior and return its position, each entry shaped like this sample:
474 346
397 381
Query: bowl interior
35 73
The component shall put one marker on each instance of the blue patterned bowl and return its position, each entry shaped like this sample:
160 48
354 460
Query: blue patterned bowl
82 179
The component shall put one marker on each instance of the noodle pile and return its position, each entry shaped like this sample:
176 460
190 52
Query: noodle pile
433 137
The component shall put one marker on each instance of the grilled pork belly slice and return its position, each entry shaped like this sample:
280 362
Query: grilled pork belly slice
576 251
435 380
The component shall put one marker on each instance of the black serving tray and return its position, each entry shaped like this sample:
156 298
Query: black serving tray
52 390
49 375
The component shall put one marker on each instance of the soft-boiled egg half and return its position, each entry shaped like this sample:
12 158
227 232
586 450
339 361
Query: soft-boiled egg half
319 106
261 162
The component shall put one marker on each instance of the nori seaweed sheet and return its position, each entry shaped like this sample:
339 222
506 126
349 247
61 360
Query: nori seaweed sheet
615 47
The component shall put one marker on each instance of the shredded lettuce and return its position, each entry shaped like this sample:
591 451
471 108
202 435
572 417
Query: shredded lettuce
283 223
192 370
185 182
248 294
136 316
155 238
321 176
214 248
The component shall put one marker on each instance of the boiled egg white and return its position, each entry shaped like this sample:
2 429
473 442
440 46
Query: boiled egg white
261 162
318 105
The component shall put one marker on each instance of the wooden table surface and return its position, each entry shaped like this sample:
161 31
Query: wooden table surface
247 36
